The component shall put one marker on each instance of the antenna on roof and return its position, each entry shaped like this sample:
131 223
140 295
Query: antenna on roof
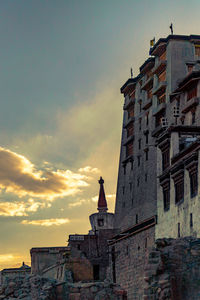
131 73
171 28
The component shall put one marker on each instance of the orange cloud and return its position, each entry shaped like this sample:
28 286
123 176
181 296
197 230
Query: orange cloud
19 176
46 222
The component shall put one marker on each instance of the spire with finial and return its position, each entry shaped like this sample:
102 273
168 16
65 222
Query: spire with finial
102 204
171 28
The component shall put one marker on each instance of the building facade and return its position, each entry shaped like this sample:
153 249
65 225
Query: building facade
160 112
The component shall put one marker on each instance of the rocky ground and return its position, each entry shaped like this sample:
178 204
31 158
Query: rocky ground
38 288
28 288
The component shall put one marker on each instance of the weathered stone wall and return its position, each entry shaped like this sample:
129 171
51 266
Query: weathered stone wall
173 270
129 262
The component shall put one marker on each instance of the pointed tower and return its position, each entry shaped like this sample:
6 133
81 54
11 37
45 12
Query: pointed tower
102 219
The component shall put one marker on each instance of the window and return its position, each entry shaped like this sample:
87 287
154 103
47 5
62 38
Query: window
162 76
100 222
147 137
138 160
124 166
147 154
140 123
193 184
140 103
193 117
123 190
145 245
131 111
79 247
136 219
138 181
96 272
179 231
149 94
179 191
191 220
146 177
166 198
131 164
130 184
139 144
147 119
130 129
161 99
165 159
129 149
192 93
197 50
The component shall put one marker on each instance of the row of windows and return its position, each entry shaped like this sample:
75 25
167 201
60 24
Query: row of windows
179 190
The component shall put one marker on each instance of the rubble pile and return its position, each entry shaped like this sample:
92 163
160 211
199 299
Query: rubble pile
28 288
173 270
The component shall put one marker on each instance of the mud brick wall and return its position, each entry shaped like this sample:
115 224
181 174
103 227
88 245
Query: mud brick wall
173 270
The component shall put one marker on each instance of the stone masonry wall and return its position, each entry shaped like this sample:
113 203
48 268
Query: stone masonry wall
130 256
173 270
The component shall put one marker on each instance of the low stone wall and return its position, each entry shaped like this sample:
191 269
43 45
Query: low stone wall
173 270
90 291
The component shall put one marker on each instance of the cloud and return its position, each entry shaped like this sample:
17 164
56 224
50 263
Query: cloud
46 222
76 204
19 176
89 169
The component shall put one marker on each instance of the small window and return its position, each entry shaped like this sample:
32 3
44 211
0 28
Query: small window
131 165
147 119
193 184
139 144
193 117
165 159
147 137
191 220
146 177
96 272
145 245
79 247
147 154
100 222
123 190
130 184
179 191
138 160
124 166
136 219
127 250
140 106
140 123
138 181
166 199
179 230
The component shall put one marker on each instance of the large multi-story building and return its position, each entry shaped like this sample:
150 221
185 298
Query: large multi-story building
157 190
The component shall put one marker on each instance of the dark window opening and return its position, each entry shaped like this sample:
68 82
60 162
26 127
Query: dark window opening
193 117
130 183
191 220
138 181
166 199
100 222
96 272
139 144
79 247
129 149
146 177
193 184
140 124
147 138
147 154
132 201
179 231
124 169
127 250
147 119
179 191
138 160
136 219
165 159
145 243
123 190
140 106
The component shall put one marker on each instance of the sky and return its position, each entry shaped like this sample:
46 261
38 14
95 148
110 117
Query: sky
62 64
